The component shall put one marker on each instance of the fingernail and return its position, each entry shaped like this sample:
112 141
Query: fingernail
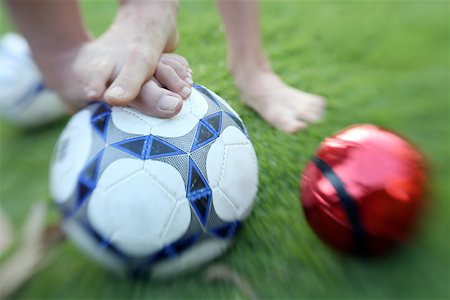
116 92
168 103
188 80
185 92
190 70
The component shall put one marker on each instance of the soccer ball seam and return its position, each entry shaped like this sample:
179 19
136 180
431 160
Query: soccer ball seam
239 209
159 186
228 199
164 187
126 109
109 187
118 181
235 144
122 181
222 169
169 221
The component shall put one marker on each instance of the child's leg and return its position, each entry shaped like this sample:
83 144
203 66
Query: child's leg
116 66
282 106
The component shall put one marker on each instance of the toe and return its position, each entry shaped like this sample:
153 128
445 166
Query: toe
309 115
310 108
157 101
170 79
318 103
92 77
286 122
178 58
134 73
291 125
97 80
182 70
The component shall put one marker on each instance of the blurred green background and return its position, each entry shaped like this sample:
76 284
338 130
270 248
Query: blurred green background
376 62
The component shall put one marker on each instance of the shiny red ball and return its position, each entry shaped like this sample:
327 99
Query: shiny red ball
364 190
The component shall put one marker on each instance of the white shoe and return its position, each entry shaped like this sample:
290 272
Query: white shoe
24 99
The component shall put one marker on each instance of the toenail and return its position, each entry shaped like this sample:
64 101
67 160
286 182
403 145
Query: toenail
116 92
168 103
90 93
189 80
185 92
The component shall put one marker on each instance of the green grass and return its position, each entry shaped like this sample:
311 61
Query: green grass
379 62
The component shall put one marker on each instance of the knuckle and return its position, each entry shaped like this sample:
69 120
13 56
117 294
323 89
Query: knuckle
179 85
179 58
162 69
100 64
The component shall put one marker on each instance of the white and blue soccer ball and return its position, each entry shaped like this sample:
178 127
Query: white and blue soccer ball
24 99
153 196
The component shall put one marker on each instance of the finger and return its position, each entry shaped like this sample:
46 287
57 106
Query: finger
135 71
157 101
172 81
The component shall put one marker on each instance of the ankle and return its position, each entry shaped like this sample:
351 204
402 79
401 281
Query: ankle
247 61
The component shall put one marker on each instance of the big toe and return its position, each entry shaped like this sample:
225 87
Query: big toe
157 101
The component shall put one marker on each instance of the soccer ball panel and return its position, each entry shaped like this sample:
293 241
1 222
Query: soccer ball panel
118 170
233 136
198 105
214 162
226 105
230 152
44 106
135 223
223 206
167 177
131 121
199 254
240 187
178 223
175 127
72 153
25 101
91 247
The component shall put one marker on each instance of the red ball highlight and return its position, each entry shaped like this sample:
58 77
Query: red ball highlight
364 190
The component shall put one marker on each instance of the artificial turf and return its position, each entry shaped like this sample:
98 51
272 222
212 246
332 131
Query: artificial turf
377 62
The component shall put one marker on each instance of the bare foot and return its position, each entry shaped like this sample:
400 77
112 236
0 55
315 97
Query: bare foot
161 96
282 106
157 96
120 64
